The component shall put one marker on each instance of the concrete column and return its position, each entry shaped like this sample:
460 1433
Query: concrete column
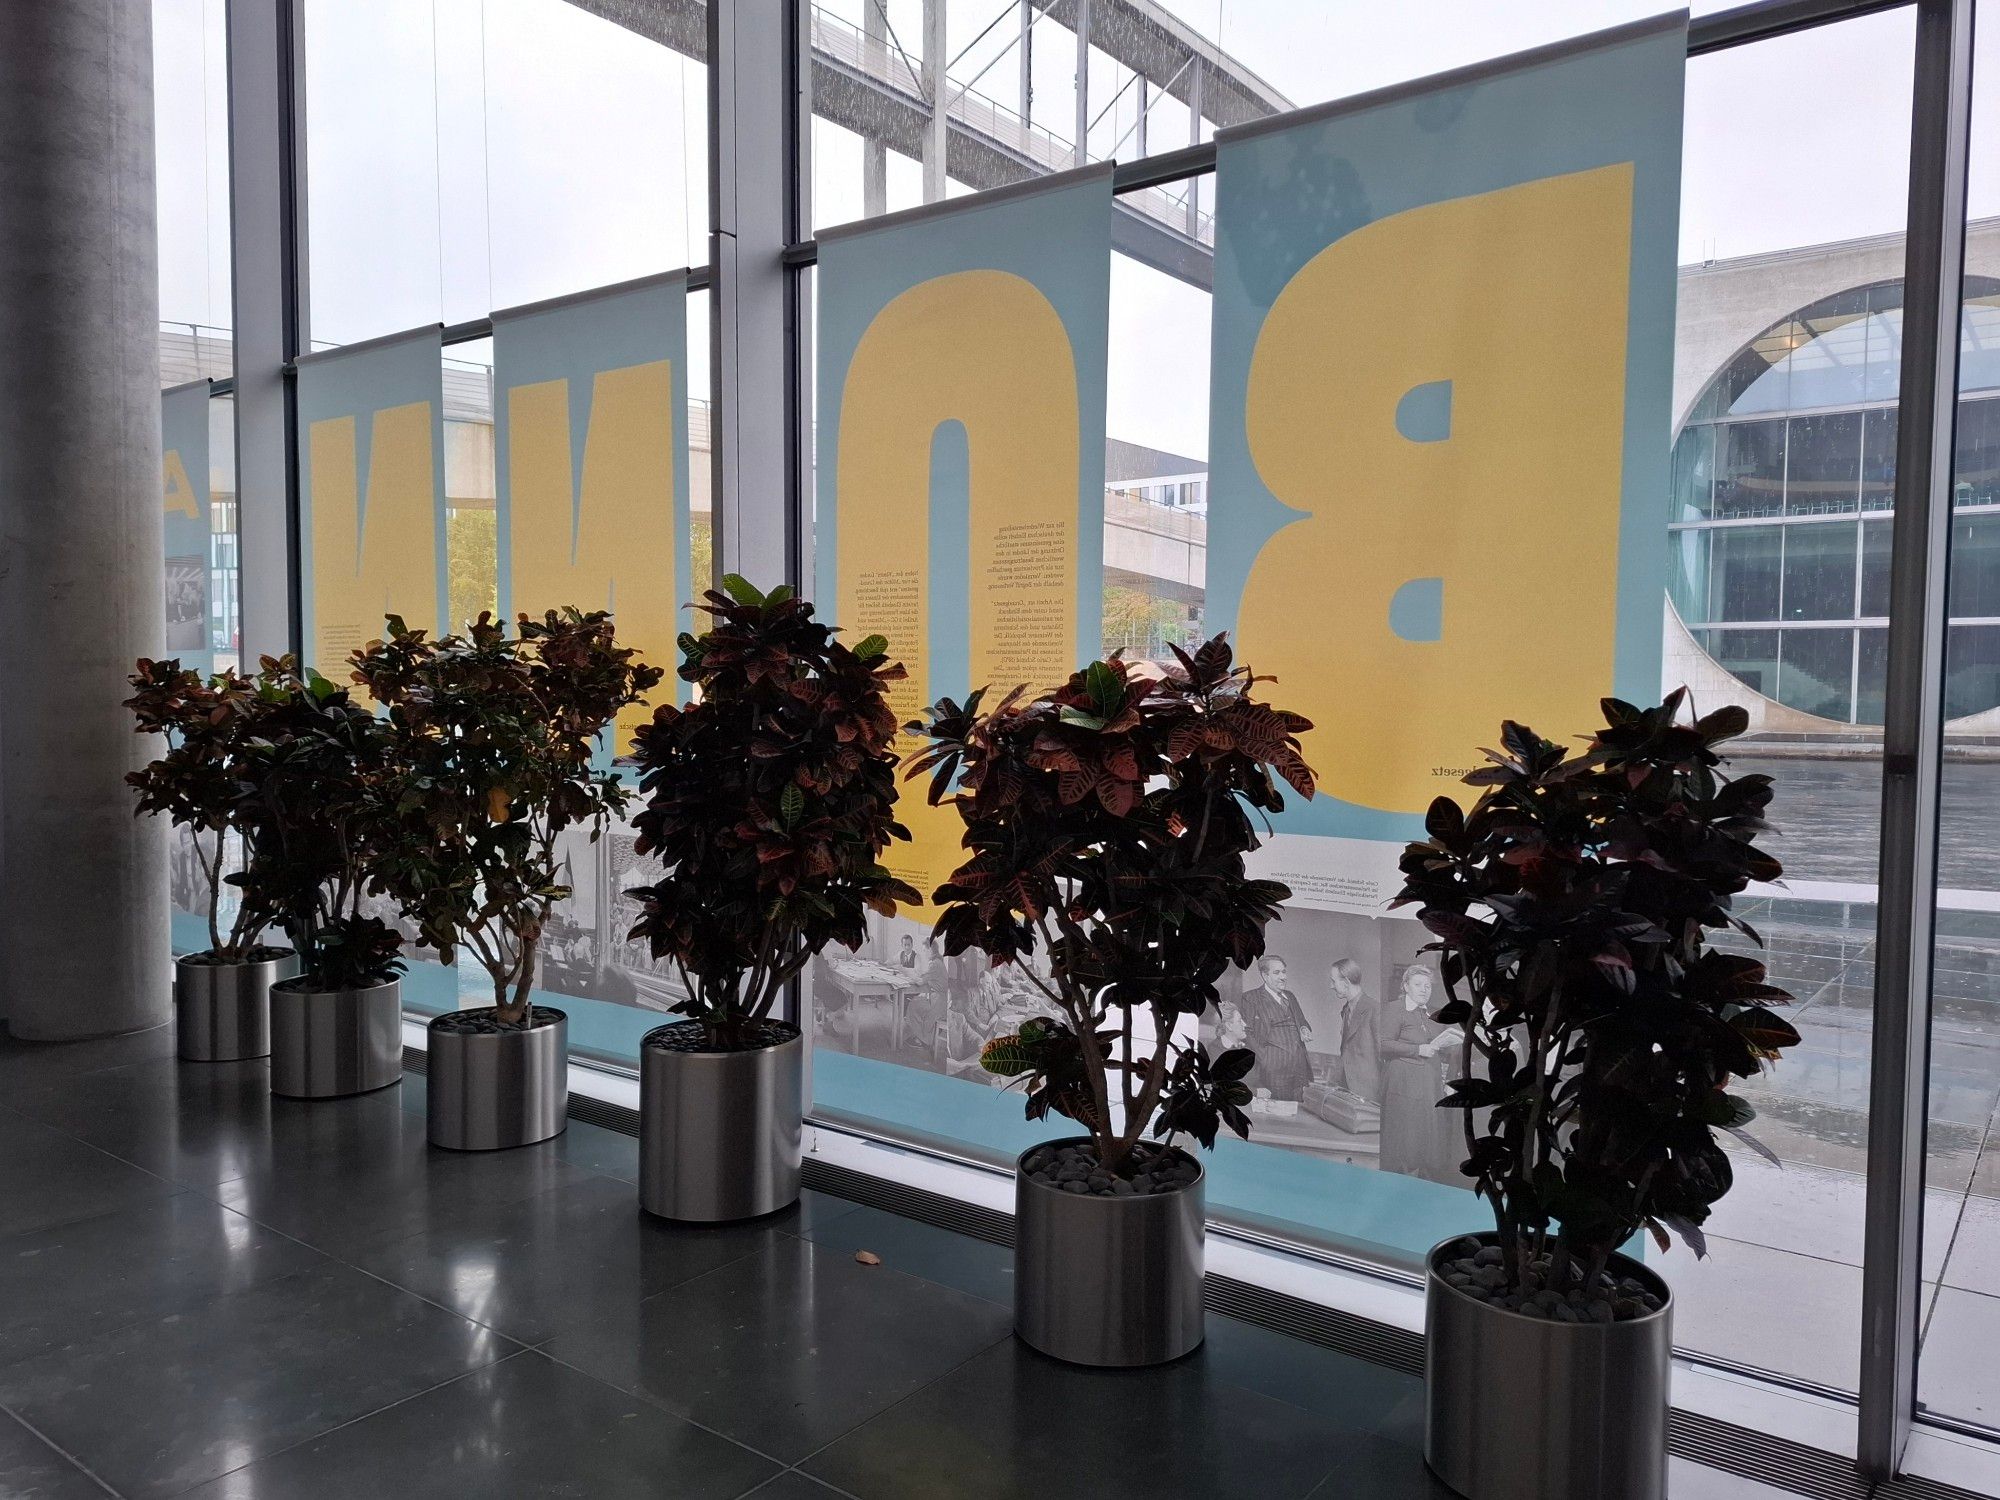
83 884
1082 82
938 87
875 150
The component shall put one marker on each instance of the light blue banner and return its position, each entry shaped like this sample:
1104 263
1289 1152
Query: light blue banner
1442 363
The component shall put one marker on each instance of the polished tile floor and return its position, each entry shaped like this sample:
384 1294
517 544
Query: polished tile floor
208 1292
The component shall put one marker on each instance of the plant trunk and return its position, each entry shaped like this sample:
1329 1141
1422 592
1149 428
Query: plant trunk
512 992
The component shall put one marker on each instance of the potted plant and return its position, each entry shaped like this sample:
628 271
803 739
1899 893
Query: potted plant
221 994
309 802
1601 1032
770 801
494 747
1107 823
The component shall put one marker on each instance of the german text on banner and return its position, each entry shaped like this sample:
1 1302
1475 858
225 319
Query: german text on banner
591 443
184 484
961 449
371 493
1443 348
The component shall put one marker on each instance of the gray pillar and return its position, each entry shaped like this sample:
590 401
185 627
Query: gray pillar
875 150
937 87
1082 82
83 884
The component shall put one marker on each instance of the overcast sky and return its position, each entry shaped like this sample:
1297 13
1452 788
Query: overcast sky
472 154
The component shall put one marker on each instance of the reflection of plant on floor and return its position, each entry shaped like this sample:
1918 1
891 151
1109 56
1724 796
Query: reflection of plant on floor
1572 907
208 724
495 741
1108 823
770 802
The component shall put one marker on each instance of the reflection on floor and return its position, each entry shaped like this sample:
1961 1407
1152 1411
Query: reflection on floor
208 1292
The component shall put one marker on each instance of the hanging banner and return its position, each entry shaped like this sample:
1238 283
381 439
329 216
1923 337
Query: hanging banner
1443 346
960 503
591 444
371 493
189 537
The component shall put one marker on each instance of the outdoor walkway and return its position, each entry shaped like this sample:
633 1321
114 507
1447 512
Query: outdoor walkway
205 1291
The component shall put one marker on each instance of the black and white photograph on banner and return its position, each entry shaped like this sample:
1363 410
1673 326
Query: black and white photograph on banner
187 604
899 998
1349 1063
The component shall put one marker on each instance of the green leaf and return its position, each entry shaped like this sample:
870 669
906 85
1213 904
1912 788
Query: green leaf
791 804
871 647
741 589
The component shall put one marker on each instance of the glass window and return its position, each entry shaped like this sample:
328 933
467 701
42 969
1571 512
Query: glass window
1816 672
1824 472
1687 575
1871 674
1744 573
1975 569
1750 469
1819 573
1978 478
1694 473
489 153
1878 459
191 151
1875 546
1750 655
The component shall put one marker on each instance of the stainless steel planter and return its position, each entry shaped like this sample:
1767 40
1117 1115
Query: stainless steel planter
1520 1408
330 1043
486 1090
719 1132
1107 1281
222 1012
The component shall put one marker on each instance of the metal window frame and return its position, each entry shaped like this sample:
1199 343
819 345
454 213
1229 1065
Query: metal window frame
758 79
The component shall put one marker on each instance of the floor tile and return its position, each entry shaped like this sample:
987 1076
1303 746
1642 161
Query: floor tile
1014 1423
197 1123
789 1348
21 1061
1780 1311
153 1408
1814 1210
367 1178
523 1427
595 1149
1691 1481
160 1256
916 1249
31 1470
792 1485
49 1178
1957 1375
1974 1265
578 1254
1335 1387
1381 1468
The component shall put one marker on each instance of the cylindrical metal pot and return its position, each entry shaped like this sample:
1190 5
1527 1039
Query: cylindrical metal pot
1107 1281
1522 1408
719 1132
222 1012
326 1044
486 1090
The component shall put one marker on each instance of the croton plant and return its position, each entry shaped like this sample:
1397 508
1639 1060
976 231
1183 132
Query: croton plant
208 723
496 750
310 801
770 801
1573 906
1108 823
